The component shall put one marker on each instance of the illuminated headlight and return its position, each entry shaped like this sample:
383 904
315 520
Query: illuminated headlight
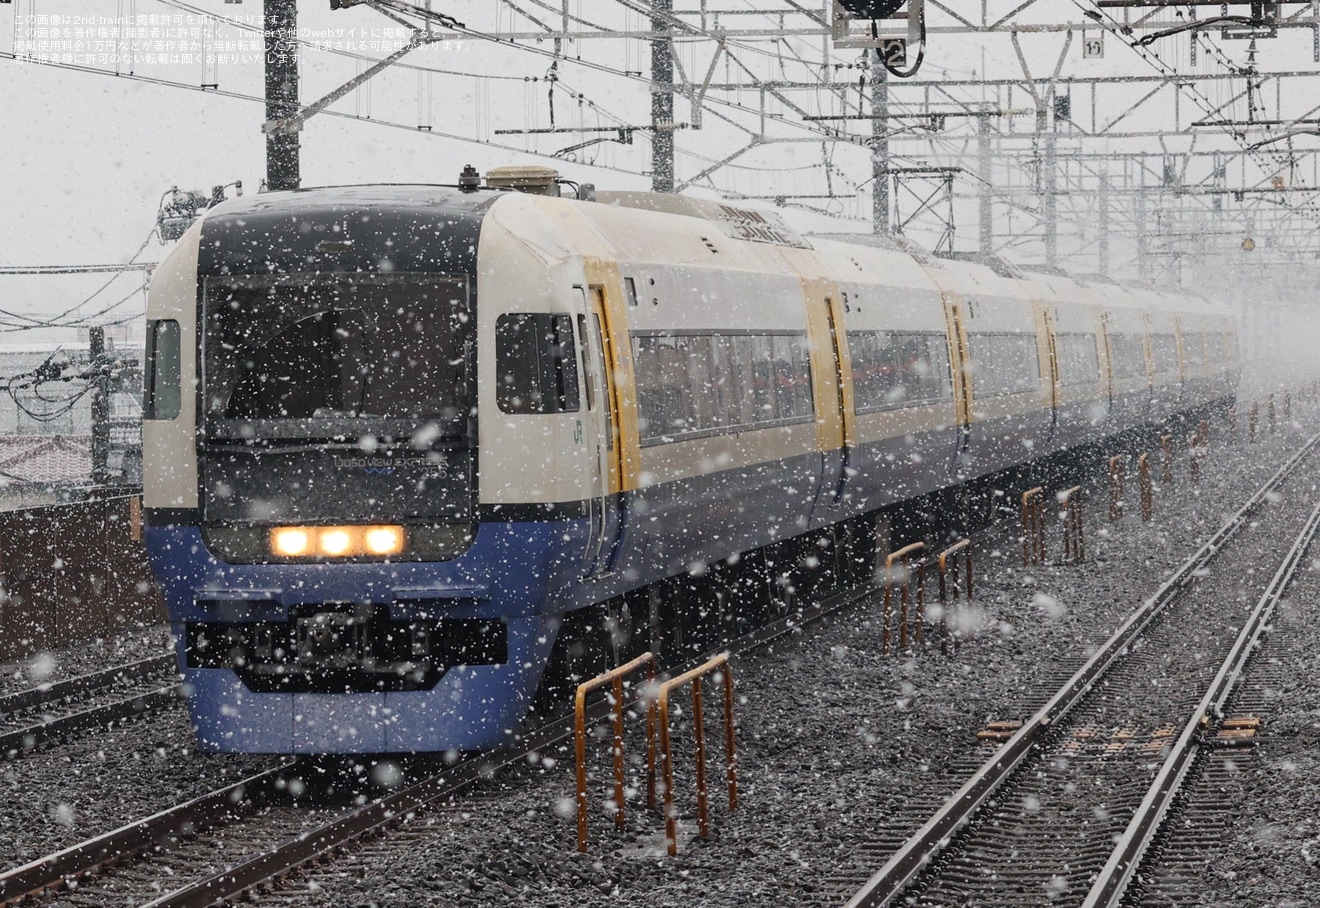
334 541
290 542
337 542
383 540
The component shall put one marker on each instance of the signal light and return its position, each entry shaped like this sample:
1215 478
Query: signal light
337 541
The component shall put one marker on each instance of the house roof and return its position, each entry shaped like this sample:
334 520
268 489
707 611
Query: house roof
45 460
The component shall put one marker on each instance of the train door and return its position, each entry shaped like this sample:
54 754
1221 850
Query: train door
958 370
843 392
600 434
1108 376
1047 349
832 382
1148 350
1180 334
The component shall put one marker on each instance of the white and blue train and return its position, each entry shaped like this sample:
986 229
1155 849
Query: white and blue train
409 449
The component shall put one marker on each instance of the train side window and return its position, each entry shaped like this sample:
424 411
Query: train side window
708 383
163 387
898 369
1128 358
630 287
1079 361
1004 362
536 364
1164 352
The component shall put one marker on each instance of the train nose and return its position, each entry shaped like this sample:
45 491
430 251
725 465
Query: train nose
331 638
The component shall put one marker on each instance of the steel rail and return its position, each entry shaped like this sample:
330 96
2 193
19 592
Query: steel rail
230 883
141 670
908 862
1109 888
226 803
54 869
29 738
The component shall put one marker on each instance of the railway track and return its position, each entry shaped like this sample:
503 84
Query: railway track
1215 796
244 839
31 718
1104 759
237 839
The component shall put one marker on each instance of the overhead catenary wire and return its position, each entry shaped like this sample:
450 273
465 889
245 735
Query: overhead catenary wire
1151 56
11 322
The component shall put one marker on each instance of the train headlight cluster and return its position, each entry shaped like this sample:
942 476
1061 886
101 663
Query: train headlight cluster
337 541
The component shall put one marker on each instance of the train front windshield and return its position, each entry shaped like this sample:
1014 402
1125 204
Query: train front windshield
291 356
337 397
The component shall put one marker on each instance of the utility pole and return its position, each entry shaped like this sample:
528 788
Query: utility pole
1103 265
879 144
1045 122
1143 259
983 166
281 31
662 99
100 407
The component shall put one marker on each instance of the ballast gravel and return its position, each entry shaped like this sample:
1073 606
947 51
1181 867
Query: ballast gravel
835 741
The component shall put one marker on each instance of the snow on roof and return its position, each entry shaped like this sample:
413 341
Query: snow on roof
45 460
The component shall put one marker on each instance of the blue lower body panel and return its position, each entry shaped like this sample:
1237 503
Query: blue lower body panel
515 574
470 708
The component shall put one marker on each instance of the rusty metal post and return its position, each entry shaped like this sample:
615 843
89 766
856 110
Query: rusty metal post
699 733
903 609
1287 406
730 762
1203 432
613 677
1033 526
1115 487
1166 447
903 555
1195 453
666 753
884 634
1271 411
1074 543
1253 420
965 546
921 601
1147 487
667 776
617 690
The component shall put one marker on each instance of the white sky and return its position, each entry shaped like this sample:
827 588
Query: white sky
89 155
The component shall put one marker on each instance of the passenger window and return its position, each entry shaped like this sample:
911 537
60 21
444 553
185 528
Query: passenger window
536 364
164 390
707 383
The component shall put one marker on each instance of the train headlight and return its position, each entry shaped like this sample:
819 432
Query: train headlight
290 542
338 541
334 541
383 540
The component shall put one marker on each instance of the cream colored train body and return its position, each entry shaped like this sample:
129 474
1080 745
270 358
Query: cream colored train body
554 409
